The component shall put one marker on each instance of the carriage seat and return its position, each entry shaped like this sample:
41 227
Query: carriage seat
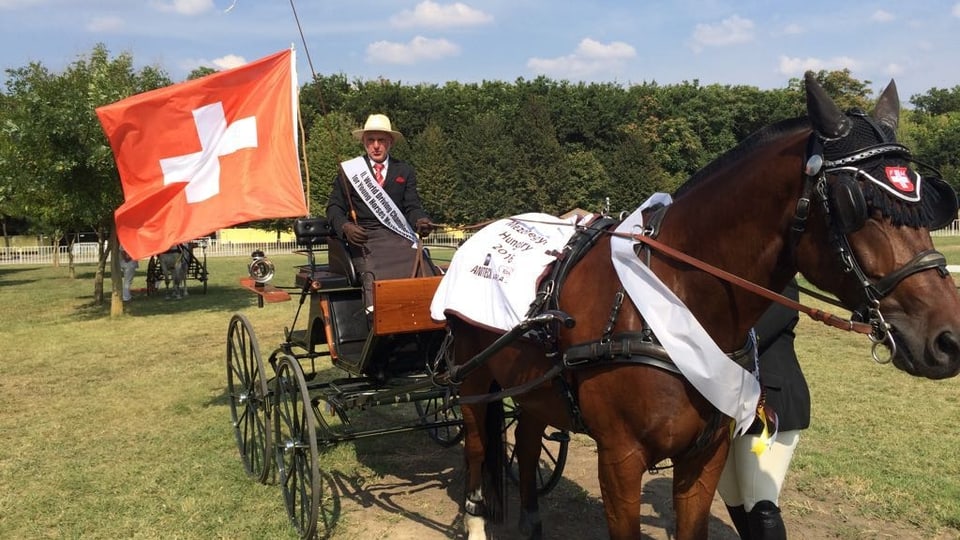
313 233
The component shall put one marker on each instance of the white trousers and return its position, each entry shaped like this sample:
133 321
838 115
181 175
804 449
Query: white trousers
748 478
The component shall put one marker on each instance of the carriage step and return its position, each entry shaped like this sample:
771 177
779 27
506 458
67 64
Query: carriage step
558 436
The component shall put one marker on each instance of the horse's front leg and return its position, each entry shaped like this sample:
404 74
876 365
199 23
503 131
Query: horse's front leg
694 486
621 473
474 417
528 444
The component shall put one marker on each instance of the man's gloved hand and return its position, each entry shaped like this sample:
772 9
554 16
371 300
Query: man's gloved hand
424 227
355 234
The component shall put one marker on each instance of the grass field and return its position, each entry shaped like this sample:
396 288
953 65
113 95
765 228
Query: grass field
119 427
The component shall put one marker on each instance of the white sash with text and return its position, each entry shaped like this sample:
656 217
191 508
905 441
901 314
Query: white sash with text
376 198
733 390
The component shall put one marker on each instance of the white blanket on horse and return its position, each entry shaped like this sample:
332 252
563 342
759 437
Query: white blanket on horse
733 390
493 276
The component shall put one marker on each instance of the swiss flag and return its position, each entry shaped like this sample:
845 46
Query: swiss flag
206 154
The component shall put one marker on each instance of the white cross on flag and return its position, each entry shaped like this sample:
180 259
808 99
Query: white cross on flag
205 154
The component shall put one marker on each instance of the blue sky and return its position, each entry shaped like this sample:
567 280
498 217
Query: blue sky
753 42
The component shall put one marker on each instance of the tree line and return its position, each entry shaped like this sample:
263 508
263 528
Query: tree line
481 150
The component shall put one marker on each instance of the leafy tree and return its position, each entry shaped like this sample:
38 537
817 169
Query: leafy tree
321 96
934 139
588 184
485 176
634 171
937 101
436 173
62 164
846 90
330 143
540 165
200 72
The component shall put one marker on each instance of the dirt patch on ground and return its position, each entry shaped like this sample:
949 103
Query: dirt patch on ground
414 494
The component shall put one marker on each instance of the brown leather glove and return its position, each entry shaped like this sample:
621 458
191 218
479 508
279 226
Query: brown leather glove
355 234
424 227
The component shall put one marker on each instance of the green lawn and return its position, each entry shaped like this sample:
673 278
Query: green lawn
119 427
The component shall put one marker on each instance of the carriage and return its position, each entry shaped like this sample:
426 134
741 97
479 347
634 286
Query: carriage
286 409
194 266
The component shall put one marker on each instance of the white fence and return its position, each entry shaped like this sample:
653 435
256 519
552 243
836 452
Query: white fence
86 252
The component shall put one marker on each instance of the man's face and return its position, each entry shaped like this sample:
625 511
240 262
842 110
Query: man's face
378 144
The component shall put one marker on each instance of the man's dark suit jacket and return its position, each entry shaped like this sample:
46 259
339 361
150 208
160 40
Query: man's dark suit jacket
400 185
780 373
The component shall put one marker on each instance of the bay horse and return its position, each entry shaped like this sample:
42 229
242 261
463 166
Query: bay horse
794 197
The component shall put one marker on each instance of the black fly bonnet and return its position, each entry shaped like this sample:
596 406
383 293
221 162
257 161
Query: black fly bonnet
888 185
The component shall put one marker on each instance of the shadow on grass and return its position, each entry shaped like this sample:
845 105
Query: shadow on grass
658 492
217 298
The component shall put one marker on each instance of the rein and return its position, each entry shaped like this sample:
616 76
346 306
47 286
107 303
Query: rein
815 314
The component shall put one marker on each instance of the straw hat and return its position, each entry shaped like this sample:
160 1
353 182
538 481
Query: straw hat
378 122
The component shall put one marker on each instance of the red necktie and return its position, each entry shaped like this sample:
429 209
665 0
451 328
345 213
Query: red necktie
378 172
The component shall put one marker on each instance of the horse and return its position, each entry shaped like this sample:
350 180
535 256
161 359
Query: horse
173 264
794 197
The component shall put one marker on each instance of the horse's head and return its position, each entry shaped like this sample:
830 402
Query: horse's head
876 212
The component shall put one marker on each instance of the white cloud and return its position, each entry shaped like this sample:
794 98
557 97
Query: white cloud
795 67
185 7
882 16
418 48
590 57
433 15
729 31
956 10
104 24
228 61
793 30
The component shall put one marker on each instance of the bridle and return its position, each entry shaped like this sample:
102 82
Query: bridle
846 211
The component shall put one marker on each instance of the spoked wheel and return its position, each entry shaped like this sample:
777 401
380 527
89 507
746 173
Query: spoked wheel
553 452
431 411
249 395
296 448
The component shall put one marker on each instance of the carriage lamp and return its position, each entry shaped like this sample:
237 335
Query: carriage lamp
260 267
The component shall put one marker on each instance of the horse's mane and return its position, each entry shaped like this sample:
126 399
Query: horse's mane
746 147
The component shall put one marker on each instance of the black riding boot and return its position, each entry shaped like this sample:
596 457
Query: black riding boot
766 523
739 517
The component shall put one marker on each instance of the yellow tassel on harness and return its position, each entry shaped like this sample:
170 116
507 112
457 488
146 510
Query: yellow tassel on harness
768 433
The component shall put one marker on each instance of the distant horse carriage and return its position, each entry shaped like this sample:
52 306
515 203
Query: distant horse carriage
175 266
832 196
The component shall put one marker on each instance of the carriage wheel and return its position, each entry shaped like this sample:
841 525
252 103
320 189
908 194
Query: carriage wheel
248 393
431 411
296 447
553 452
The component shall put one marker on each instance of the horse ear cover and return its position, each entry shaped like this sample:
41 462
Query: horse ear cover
944 206
847 204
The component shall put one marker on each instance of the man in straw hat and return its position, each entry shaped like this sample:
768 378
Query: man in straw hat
382 232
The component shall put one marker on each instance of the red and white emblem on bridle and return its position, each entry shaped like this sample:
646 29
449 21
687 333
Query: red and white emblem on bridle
899 178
